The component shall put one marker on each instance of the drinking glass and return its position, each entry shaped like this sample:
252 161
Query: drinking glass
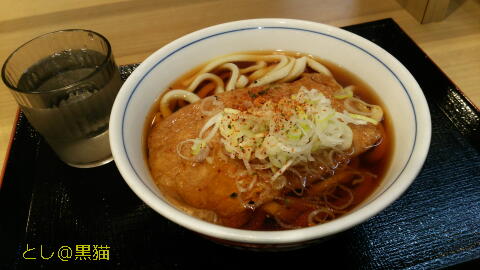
65 82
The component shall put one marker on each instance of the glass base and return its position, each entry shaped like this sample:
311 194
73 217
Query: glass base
92 164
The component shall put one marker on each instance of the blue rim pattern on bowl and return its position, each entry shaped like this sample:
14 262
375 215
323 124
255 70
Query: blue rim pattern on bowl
149 194
261 28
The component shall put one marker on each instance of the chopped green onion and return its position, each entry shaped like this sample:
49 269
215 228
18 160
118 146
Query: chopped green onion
346 92
295 134
230 110
282 134
305 127
197 146
364 118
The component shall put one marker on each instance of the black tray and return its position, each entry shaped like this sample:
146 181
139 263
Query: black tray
435 224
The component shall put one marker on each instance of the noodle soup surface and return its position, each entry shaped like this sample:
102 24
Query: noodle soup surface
268 141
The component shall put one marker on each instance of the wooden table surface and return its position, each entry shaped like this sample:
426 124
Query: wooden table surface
137 28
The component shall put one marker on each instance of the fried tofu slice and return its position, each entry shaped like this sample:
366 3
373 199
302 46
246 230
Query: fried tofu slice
213 190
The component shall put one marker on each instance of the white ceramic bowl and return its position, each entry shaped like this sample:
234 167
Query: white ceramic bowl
391 81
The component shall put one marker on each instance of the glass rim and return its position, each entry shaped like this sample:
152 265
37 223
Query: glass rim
68 86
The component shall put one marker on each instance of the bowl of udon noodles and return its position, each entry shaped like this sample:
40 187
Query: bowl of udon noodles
270 133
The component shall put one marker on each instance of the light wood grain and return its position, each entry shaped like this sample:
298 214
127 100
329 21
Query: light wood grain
436 11
415 7
427 11
138 28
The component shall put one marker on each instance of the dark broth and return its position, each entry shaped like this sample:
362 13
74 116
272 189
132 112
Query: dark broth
260 220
